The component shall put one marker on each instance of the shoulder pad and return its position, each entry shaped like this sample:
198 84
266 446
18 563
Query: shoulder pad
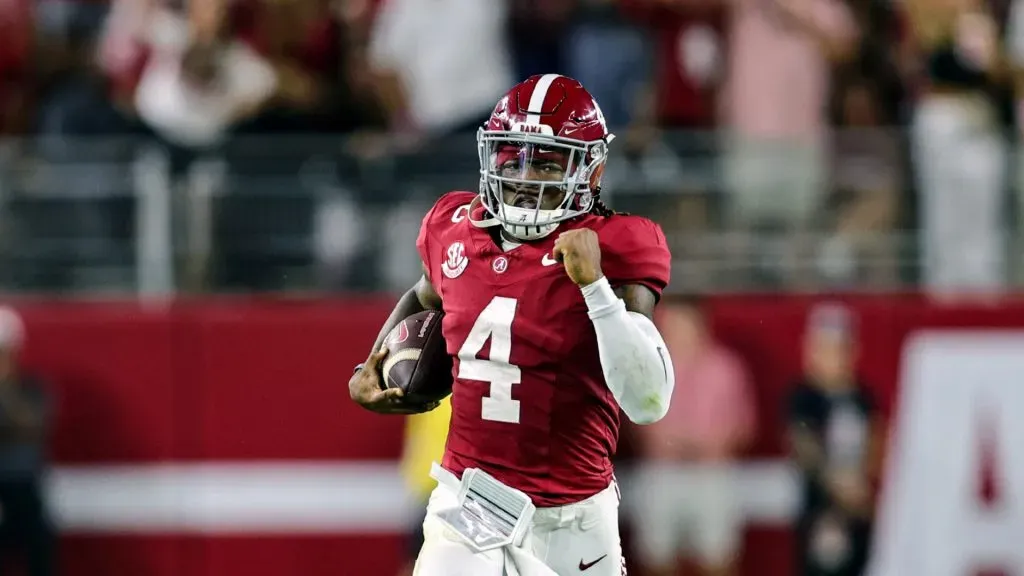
449 210
634 251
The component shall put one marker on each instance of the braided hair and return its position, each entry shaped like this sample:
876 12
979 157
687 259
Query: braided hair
602 209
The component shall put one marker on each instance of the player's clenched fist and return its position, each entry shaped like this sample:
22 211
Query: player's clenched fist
366 390
580 251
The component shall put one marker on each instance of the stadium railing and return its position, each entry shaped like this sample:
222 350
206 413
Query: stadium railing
314 214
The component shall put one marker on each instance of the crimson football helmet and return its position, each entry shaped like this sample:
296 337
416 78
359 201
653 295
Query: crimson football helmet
542 154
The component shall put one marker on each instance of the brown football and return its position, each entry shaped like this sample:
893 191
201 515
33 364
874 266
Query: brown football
418 360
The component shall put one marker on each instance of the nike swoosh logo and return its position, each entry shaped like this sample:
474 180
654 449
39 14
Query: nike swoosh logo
547 260
664 364
584 567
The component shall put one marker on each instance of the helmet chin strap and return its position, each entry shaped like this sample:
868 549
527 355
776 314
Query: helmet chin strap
523 232
529 233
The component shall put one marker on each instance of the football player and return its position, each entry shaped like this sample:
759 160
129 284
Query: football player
548 297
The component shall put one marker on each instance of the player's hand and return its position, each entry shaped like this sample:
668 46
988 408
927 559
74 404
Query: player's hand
366 389
580 251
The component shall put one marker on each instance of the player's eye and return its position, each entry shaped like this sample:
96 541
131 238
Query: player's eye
549 168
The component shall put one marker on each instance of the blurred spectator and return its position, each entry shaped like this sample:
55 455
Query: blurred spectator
878 58
683 89
425 438
833 438
96 95
539 35
123 51
304 44
670 151
16 42
441 64
781 55
26 526
1015 58
359 106
309 44
193 90
688 60
66 36
609 55
867 178
317 50
958 145
686 500
438 66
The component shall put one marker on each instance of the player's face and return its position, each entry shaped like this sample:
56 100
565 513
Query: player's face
533 166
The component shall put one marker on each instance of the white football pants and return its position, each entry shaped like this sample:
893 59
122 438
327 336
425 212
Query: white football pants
580 539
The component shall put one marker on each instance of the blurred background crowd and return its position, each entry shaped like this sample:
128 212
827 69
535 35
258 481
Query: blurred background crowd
161 147
293 144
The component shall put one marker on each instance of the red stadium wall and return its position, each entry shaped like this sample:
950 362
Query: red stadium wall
235 382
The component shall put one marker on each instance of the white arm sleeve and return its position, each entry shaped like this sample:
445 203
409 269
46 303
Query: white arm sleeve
635 362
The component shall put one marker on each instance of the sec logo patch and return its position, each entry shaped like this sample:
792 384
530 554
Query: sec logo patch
456 262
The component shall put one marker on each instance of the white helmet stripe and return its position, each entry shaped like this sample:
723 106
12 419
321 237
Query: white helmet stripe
540 93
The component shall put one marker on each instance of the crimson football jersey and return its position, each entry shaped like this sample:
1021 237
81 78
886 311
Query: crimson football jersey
530 405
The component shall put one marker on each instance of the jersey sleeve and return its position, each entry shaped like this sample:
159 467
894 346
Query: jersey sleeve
634 251
424 243
441 215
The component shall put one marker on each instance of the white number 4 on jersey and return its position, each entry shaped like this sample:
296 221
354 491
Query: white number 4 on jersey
494 322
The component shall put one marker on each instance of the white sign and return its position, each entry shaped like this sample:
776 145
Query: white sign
952 499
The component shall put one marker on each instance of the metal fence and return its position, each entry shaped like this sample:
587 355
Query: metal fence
131 216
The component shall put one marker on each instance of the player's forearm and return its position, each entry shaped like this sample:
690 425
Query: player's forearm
420 297
634 360
406 306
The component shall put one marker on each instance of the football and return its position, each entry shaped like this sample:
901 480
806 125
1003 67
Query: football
417 360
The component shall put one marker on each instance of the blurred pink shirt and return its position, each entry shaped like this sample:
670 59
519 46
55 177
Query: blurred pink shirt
778 81
712 407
